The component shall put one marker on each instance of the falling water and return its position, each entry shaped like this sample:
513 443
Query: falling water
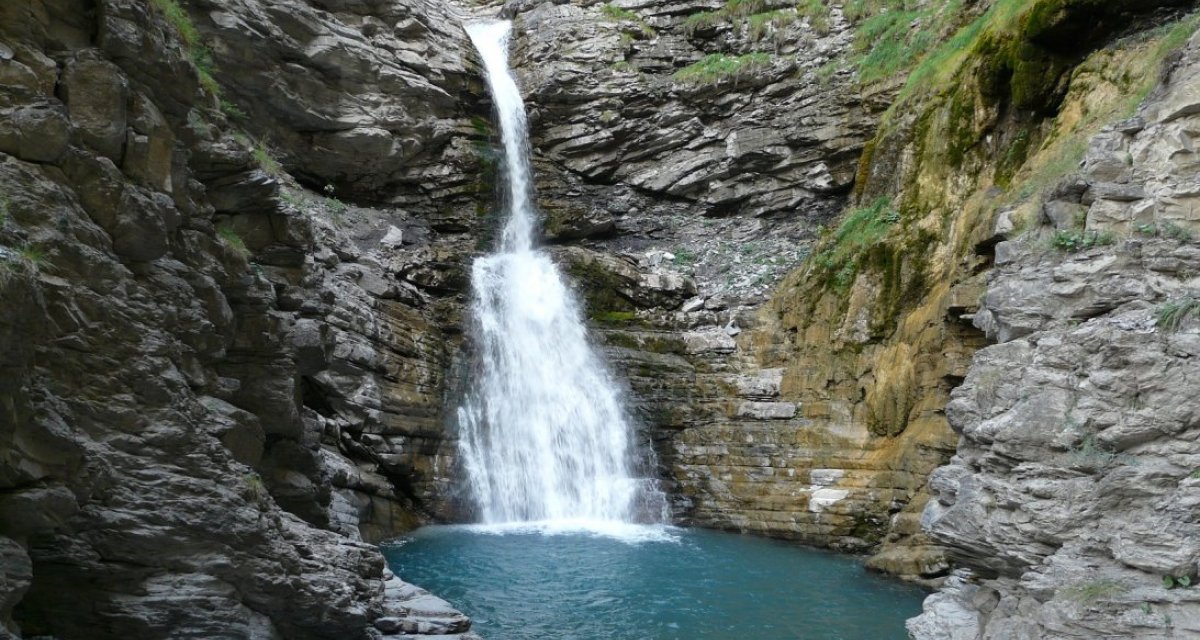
543 434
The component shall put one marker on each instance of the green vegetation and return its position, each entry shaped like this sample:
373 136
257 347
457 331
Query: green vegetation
1171 582
759 18
714 68
233 241
615 317
4 213
1072 240
1092 453
293 198
861 229
613 12
255 490
231 110
32 255
1165 230
336 208
179 19
891 36
1173 314
1095 590
733 10
683 256
266 162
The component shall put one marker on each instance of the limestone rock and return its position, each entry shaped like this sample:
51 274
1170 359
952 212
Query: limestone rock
1071 494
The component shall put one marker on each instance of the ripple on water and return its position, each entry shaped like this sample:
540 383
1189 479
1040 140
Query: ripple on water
589 580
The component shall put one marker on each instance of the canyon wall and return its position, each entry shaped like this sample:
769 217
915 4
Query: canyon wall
217 384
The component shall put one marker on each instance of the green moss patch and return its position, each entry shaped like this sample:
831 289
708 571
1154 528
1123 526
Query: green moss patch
861 229
716 67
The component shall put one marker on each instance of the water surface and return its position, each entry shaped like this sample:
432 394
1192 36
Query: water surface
650 583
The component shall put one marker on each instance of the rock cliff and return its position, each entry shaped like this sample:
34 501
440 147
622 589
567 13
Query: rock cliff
215 385
1072 495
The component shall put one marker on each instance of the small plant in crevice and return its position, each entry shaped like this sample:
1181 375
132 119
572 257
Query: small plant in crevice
267 163
1168 230
1092 453
824 73
619 14
336 208
26 260
234 241
200 56
255 490
233 111
1177 582
1175 232
296 199
732 10
1091 591
32 257
1073 240
1173 314
683 256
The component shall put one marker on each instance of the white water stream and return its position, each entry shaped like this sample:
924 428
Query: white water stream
543 434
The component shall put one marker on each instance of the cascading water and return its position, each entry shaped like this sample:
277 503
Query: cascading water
543 436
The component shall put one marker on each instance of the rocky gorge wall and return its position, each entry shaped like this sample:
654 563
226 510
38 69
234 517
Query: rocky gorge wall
216 383
1072 495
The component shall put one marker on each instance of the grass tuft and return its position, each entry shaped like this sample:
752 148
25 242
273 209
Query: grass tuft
860 230
1173 314
714 68
266 162
200 56
233 241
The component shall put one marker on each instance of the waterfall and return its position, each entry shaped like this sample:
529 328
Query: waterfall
543 434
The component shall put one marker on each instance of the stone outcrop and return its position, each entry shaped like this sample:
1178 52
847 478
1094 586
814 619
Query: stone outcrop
212 387
366 97
1072 494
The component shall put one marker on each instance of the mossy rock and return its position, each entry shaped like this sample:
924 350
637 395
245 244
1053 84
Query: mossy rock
601 290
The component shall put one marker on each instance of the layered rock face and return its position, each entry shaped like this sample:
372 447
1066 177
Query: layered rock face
203 374
703 147
1073 494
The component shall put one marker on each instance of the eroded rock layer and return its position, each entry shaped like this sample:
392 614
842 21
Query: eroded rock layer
1072 496
211 393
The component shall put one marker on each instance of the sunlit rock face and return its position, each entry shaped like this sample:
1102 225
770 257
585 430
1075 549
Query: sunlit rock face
1074 483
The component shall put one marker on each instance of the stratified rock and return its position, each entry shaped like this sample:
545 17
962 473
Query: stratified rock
1073 494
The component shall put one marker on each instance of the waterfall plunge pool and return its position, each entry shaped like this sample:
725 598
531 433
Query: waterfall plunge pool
649 583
